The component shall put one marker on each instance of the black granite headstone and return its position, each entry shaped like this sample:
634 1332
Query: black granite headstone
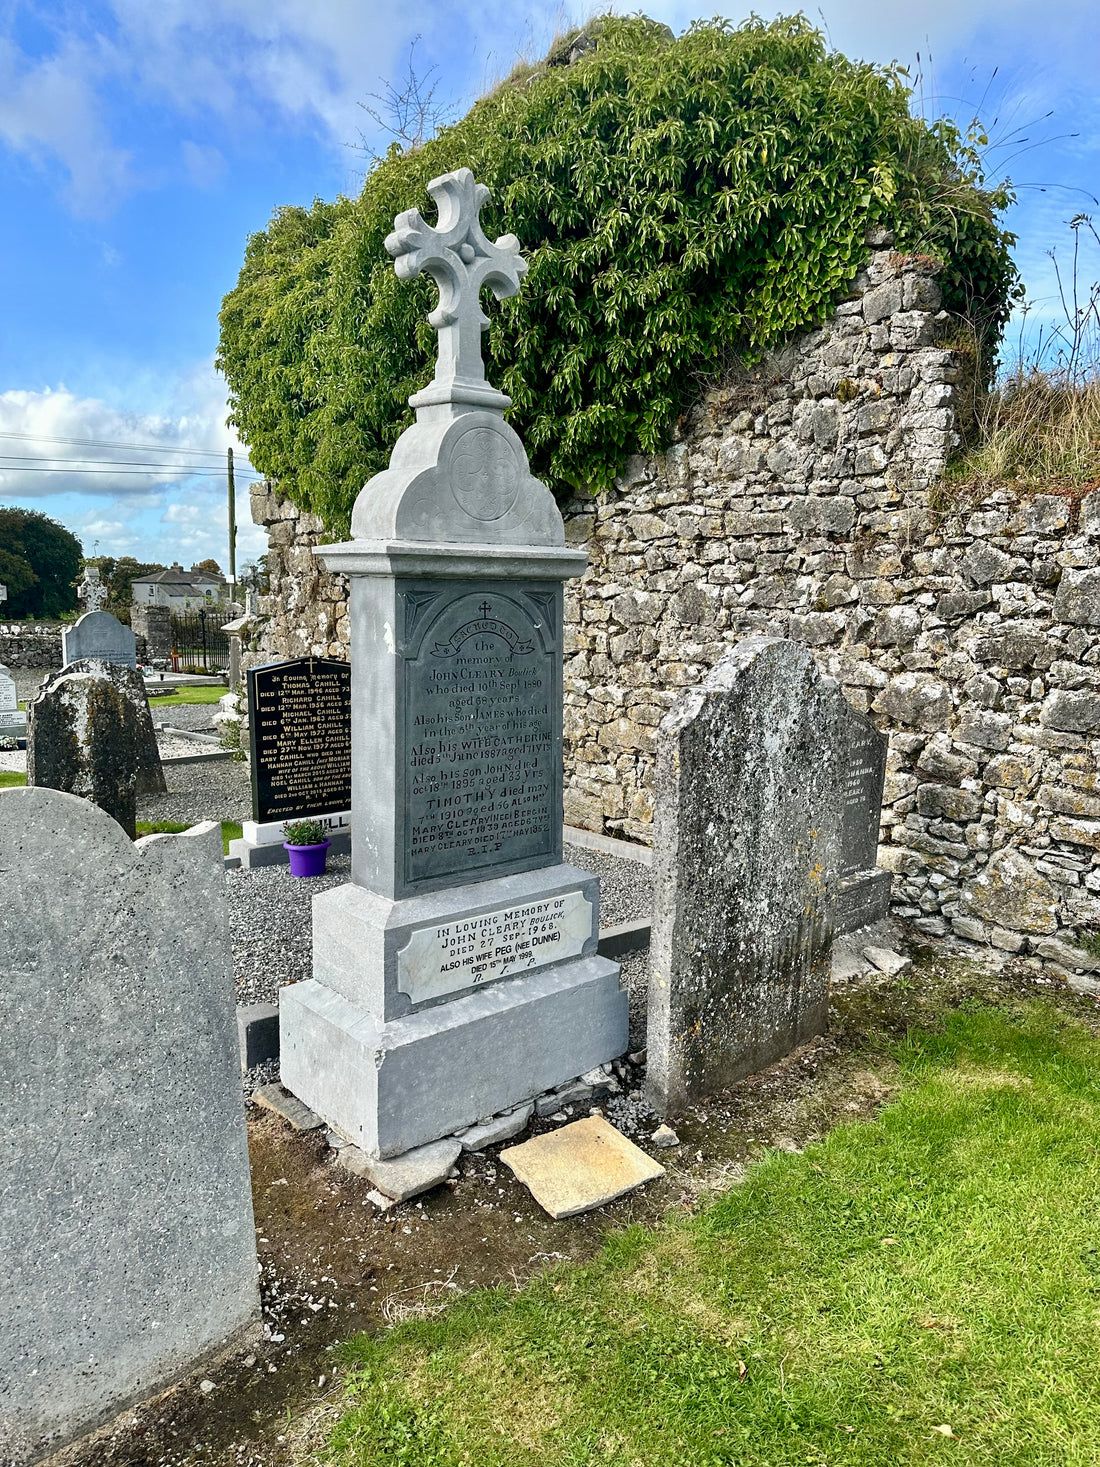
299 722
479 728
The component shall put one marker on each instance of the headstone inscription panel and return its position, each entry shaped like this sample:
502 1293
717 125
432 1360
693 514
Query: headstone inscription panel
9 701
299 716
479 724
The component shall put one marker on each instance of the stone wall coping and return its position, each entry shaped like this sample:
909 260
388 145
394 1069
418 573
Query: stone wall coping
413 558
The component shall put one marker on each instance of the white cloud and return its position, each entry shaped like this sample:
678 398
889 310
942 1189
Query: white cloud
162 500
50 114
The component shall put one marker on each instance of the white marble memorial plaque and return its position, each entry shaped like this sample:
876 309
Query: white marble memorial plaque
456 955
9 701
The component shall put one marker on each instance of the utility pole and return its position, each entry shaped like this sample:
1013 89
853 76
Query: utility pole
232 520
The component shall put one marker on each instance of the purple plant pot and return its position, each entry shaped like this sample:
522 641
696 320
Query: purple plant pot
307 860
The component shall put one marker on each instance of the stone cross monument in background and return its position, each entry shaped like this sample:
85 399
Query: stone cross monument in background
457 974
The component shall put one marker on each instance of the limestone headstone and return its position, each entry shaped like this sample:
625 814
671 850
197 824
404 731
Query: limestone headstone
12 721
457 975
89 732
752 799
99 635
127 1247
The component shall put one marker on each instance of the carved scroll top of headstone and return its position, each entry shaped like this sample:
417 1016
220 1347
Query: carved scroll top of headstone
461 261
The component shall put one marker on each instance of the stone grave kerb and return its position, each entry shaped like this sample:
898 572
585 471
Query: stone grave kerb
458 504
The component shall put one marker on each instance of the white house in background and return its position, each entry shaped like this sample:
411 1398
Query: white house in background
180 590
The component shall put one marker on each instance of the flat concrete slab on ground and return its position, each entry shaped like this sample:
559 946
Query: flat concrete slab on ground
275 1097
580 1166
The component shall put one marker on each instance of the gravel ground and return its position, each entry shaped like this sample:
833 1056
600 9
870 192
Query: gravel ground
271 925
217 790
626 886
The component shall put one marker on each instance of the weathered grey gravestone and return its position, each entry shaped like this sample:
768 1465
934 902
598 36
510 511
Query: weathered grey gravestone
753 805
99 635
457 974
127 1248
89 732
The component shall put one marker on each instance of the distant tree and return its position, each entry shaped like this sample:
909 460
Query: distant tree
119 577
39 563
210 565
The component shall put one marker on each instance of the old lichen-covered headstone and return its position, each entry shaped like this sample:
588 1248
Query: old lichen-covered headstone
89 732
127 1248
754 839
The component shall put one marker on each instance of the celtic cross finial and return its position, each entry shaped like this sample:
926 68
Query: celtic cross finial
459 258
91 590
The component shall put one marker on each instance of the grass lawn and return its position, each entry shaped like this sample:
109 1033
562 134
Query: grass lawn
188 695
231 830
10 779
921 1288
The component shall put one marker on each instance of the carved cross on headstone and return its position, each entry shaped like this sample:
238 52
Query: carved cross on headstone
459 258
91 590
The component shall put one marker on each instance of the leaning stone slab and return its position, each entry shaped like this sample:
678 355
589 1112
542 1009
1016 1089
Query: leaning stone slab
405 1176
275 1098
580 1166
127 1246
752 836
89 733
500 1128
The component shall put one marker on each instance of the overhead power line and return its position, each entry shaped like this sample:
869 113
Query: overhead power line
52 460
106 443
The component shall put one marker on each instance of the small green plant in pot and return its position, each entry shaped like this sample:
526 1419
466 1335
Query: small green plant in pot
306 843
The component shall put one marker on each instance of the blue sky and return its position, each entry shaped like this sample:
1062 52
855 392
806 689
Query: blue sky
142 140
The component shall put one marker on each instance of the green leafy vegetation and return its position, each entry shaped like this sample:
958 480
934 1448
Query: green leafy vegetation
39 563
10 779
304 833
684 206
920 1287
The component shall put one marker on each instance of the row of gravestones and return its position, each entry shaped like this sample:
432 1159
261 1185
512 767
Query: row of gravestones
456 975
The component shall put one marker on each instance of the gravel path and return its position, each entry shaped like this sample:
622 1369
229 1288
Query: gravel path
218 790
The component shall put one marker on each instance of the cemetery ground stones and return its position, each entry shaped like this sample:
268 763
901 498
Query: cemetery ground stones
126 1231
755 831
89 732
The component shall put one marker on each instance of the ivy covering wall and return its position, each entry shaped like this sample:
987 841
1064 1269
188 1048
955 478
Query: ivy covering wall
684 205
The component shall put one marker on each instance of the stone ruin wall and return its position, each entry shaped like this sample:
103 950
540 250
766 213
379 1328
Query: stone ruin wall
38 648
797 504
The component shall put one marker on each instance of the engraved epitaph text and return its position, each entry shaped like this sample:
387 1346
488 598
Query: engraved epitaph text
863 780
481 728
300 732
472 950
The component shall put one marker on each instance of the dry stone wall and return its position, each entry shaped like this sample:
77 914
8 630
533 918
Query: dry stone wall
801 503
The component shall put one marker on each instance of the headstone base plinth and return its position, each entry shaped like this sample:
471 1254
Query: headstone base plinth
393 1086
862 899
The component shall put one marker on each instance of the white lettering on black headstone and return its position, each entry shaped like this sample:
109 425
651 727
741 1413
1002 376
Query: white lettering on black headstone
299 716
